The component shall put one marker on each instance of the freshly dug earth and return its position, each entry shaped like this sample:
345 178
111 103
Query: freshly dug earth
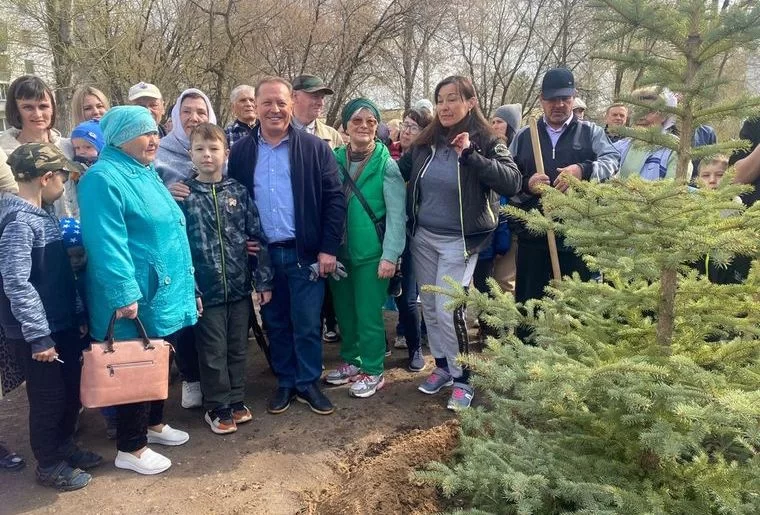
379 478
276 464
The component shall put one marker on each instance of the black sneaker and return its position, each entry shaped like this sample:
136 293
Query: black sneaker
316 400
9 460
84 460
281 400
63 477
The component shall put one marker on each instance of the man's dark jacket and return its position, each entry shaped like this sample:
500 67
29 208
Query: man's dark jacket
319 203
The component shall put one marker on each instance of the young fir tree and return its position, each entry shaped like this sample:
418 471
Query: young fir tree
641 394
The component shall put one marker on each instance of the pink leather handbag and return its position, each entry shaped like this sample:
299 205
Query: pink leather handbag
124 372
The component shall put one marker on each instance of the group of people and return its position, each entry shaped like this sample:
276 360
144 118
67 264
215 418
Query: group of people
185 228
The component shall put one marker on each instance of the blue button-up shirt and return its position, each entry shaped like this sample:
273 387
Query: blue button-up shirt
274 191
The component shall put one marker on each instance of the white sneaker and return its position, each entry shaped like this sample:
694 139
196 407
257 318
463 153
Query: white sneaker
149 463
191 395
168 436
400 342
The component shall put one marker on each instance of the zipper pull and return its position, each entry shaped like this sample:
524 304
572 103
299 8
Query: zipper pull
554 148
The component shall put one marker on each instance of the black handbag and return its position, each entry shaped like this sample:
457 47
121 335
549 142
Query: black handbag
394 286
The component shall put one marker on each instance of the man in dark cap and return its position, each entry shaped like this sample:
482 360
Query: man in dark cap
309 94
569 146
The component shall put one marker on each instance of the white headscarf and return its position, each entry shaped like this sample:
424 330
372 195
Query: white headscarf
177 130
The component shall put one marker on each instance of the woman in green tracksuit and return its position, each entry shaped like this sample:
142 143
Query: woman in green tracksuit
369 254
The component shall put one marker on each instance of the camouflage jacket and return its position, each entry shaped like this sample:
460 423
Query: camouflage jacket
220 218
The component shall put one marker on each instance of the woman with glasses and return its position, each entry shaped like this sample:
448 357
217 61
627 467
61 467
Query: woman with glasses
408 330
374 192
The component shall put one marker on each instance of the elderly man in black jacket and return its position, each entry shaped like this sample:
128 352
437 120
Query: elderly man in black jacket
293 178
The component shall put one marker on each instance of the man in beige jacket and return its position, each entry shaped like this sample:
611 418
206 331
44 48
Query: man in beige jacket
309 94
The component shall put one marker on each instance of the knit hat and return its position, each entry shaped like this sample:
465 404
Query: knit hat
91 133
511 114
354 106
36 159
71 232
124 123
424 103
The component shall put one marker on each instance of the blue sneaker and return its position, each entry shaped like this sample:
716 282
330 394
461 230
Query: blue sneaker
436 381
461 397
417 362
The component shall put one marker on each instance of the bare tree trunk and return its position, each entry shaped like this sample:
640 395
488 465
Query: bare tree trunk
59 28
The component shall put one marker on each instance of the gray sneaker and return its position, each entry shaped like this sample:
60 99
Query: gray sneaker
417 362
436 381
461 397
344 374
400 342
366 386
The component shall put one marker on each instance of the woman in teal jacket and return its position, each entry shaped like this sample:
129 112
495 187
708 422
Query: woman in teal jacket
138 264
370 258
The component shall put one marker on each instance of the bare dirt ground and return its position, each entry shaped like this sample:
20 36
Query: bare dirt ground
354 461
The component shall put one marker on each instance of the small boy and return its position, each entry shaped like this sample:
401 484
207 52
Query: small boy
87 140
221 217
712 169
38 313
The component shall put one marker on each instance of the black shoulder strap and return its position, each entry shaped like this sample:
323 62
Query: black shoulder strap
360 197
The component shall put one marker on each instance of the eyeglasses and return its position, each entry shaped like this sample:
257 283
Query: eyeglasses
412 128
358 122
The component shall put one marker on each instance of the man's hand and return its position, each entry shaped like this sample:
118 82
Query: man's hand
199 306
252 247
386 269
127 311
263 297
326 264
536 181
179 191
48 355
461 142
560 183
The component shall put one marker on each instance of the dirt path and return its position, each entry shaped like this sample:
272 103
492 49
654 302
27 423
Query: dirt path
274 465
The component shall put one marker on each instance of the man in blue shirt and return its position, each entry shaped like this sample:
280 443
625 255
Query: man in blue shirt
293 178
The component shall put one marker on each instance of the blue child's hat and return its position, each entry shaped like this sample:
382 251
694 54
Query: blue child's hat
71 232
90 131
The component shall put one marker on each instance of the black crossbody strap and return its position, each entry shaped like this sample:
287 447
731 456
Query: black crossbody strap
360 197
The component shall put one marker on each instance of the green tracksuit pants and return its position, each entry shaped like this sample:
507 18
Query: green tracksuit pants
358 301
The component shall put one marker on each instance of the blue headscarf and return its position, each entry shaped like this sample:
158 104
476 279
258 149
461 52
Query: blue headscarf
123 123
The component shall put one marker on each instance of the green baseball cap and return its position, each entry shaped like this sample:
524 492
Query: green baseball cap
36 159
310 84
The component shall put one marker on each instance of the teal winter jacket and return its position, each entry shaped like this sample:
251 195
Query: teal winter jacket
137 248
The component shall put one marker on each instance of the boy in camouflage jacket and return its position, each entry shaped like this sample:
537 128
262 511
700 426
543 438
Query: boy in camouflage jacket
221 218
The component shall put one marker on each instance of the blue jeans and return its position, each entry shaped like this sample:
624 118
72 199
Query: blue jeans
293 322
408 313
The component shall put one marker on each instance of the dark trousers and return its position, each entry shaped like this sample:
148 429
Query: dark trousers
408 313
293 321
221 338
53 392
132 421
328 311
534 268
186 355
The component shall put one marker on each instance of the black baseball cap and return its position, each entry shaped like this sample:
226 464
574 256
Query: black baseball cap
558 82
311 84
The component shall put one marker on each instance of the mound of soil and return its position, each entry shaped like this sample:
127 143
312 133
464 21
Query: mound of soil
378 479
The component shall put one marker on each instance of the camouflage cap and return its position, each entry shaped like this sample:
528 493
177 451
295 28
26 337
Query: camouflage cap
36 159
